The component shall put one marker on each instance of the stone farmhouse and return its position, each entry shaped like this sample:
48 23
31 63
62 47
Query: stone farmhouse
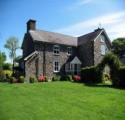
51 53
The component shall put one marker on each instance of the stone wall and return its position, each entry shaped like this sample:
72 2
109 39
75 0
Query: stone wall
46 52
28 46
86 53
97 49
31 68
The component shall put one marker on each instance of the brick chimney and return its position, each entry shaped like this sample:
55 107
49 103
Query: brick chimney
31 25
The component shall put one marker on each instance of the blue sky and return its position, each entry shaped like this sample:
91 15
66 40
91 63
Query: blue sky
72 17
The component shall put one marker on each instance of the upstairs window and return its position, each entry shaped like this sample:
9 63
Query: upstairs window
69 50
56 50
56 66
103 49
102 38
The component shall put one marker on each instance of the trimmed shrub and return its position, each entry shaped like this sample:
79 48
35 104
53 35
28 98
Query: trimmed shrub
32 79
121 74
90 75
21 79
56 78
65 78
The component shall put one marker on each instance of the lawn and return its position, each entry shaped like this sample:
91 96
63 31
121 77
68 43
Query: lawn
60 101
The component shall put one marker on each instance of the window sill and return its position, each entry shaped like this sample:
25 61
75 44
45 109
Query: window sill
55 71
56 54
69 54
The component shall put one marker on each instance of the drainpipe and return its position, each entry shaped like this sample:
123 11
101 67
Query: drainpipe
44 59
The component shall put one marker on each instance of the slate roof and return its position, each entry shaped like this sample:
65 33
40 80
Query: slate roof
90 36
51 37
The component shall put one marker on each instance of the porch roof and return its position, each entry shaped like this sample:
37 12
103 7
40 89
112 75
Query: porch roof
76 61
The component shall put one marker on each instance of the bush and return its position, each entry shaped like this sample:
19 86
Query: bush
21 79
42 78
65 78
90 75
12 79
121 75
76 78
2 76
56 78
8 72
7 66
32 79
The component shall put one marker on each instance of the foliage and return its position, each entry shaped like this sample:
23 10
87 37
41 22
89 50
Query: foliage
65 78
90 75
32 79
2 76
114 63
56 78
7 66
17 58
2 59
119 46
76 78
121 73
12 44
21 79
111 60
7 72
70 100
42 78
12 79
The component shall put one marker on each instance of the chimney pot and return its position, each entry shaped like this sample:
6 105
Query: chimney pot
31 25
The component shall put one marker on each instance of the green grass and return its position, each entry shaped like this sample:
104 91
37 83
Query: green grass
60 101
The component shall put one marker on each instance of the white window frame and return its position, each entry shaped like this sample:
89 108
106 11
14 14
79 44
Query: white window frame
56 66
56 50
69 50
103 49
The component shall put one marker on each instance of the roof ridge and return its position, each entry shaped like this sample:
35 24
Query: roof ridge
55 33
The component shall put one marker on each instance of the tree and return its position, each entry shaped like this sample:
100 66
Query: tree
18 58
12 44
2 59
119 46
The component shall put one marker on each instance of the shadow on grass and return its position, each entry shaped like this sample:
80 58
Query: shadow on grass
103 86
98 85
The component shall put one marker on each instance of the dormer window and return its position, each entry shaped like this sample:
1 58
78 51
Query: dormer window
56 49
69 50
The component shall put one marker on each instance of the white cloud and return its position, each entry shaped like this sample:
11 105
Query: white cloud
78 4
113 23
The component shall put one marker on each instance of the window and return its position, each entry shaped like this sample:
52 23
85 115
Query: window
56 66
56 50
102 38
103 49
69 50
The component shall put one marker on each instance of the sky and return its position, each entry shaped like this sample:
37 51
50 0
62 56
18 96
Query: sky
71 17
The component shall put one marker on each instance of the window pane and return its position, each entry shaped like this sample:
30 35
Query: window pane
56 49
103 49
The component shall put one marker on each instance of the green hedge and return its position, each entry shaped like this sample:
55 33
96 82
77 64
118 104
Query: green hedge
90 75
121 75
